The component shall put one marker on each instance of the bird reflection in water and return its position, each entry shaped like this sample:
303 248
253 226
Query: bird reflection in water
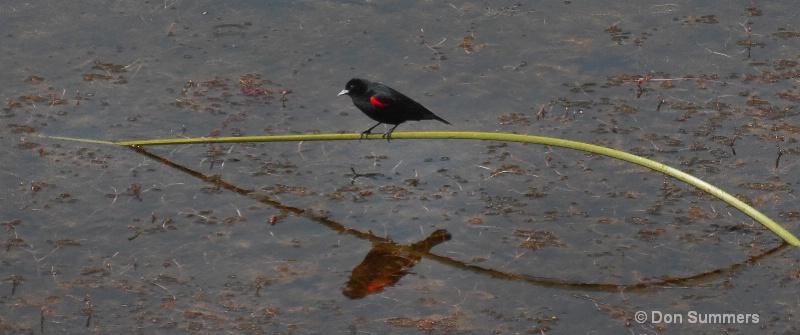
386 263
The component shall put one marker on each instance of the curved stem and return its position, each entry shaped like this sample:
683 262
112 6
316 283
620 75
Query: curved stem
650 164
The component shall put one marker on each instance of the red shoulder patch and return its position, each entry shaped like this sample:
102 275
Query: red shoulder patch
375 102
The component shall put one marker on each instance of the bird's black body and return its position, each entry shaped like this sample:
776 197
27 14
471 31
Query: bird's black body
385 105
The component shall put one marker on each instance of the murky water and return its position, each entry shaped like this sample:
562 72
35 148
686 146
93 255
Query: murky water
264 238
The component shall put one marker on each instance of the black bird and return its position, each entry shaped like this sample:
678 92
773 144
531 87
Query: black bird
385 105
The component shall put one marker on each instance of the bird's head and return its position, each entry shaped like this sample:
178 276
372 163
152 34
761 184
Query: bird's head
354 87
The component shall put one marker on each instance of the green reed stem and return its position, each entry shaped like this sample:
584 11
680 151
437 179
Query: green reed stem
650 164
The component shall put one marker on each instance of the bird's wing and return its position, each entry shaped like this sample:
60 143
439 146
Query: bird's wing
383 96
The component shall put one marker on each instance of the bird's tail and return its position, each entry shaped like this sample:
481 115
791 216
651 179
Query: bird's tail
434 117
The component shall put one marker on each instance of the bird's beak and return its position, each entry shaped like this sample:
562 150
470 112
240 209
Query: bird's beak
343 92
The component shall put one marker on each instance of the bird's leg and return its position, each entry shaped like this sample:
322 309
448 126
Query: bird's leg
367 132
388 135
